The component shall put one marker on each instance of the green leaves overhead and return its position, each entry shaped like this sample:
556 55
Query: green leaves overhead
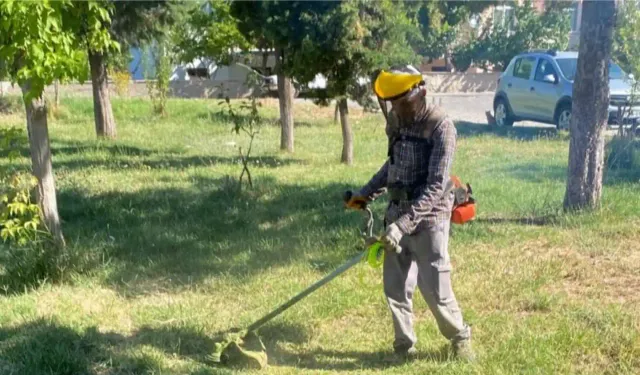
348 42
210 32
626 45
44 41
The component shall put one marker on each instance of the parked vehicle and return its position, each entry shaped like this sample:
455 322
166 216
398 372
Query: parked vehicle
538 86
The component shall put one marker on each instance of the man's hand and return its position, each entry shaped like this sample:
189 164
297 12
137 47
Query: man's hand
391 239
354 201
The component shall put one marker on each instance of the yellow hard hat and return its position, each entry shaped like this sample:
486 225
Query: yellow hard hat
389 85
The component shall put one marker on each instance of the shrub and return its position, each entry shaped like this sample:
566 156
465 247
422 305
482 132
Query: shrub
121 82
11 104
623 153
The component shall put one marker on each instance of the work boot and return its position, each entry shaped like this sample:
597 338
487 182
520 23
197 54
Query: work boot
463 351
401 355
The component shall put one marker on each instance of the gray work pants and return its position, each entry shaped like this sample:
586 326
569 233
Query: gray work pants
424 261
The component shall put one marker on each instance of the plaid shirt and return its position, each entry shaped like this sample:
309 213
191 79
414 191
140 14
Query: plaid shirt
413 167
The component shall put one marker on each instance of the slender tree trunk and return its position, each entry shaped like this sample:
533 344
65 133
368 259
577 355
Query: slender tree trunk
347 134
448 64
265 59
41 164
590 106
56 93
285 95
105 122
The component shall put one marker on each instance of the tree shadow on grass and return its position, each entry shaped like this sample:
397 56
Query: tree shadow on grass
48 347
131 157
536 172
174 162
159 239
468 129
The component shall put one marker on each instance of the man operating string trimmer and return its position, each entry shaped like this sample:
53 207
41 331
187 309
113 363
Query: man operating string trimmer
422 195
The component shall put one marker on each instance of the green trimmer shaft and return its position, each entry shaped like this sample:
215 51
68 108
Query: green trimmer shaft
243 347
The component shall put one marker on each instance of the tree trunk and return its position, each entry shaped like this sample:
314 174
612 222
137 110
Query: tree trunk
448 63
105 123
347 134
265 59
285 96
41 164
56 93
590 106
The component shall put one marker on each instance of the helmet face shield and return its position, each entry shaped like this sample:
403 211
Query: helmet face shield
393 85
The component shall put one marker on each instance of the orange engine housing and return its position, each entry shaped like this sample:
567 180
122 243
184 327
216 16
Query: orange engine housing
464 213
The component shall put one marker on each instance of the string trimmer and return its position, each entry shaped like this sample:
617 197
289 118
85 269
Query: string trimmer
244 348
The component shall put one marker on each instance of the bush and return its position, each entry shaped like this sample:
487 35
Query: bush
19 216
463 55
121 82
158 83
20 221
623 153
11 104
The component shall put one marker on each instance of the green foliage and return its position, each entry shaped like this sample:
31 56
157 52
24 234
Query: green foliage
209 31
19 216
43 41
158 85
531 30
440 22
11 140
349 41
11 104
140 22
623 153
121 81
119 61
626 44
246 119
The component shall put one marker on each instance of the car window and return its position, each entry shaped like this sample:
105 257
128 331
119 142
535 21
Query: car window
524 67
569 66
544 69
615 72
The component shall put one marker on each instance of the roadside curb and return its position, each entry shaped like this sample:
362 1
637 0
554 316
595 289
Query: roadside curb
444 94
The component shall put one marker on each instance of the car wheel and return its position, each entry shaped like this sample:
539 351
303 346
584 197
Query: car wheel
503 115
563 117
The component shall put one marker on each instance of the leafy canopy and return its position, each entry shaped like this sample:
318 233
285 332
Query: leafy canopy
209 31
626 46
350 41
40 41
529 30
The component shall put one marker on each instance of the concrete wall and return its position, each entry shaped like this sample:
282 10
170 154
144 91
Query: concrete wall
461 82
193 88
205 88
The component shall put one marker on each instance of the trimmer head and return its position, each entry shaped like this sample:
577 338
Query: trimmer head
241 350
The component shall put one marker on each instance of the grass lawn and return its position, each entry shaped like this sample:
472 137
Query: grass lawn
165 253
